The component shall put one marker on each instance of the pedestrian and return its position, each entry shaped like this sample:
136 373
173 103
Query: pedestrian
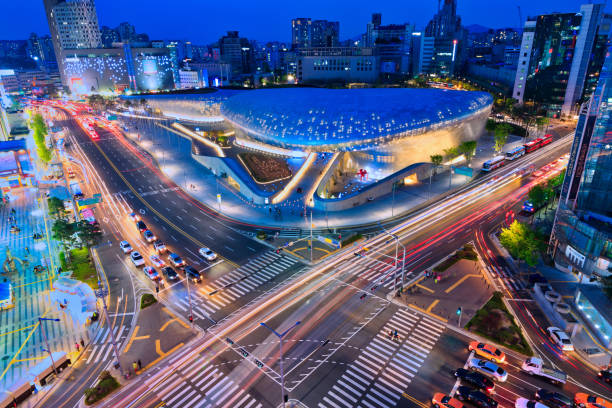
395 335
135 366
77 346
82 343
139 365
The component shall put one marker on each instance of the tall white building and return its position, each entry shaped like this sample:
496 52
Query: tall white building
422 53
73 25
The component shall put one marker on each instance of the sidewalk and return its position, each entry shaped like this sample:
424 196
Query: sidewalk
173 156
21 340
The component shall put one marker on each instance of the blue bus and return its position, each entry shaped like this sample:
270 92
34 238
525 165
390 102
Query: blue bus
494 163
515 153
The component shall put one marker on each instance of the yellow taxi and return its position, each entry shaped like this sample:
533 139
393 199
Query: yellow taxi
584 400
440 400
487 351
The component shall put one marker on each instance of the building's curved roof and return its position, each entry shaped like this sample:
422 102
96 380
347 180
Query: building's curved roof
346 118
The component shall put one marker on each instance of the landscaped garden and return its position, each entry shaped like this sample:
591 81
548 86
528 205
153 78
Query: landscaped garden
264 168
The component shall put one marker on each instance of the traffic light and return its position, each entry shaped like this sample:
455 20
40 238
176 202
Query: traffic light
458 311
190 319
362 296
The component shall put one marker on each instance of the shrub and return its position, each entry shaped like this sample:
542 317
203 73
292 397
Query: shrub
147 300
351 239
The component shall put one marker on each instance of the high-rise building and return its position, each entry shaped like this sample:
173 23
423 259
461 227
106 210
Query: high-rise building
555 58
237 52
449 39
127 32
108 36
40 49
325 33
73 24
345 64
301 33
422 53
582 233
392 42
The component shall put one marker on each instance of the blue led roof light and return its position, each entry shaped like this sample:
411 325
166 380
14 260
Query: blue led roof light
346 119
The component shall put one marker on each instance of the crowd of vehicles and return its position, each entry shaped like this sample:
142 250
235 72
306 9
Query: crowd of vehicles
499 161
167 268
476 383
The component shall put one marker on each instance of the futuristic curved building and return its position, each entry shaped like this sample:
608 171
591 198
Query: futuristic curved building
393 127
338 147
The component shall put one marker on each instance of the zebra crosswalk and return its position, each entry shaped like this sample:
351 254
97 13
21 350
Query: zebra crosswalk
385 367
373 271
201 384
102 345
213 296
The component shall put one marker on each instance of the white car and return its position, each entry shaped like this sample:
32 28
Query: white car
149 236
137 259
525 403
561 338
488 368
207 254
125 247
152 274
159 246
157 261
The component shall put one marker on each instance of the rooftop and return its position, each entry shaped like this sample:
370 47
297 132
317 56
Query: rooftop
346 118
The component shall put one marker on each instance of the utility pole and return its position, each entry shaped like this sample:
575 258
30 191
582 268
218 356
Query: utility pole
101 293
189 298
44 333
311 242
280 344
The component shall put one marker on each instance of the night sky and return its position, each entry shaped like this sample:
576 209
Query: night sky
204 21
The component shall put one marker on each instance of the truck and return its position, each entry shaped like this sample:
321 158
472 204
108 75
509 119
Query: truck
75 188
535 366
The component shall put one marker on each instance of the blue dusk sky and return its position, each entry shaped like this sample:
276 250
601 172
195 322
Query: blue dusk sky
203 22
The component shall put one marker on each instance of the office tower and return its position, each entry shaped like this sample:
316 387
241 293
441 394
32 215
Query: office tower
582 233
449 39
556 58
325 33
73 25
422 53
301 33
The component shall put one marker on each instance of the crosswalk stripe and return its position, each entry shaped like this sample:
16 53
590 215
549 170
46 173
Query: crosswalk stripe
381 395
199 383
333 404
434 325
216 302
365 366
195 400
412 357
345 385
248 284
363 374
401 358
389 377
433 336
372 398
369 350
195 368
203 372
425 341
356 384
176 396
227 394
167 389
218 389
108 350
367 404
234 398
243 287
347 395
384 389
332 394
409 349
385 351
235 292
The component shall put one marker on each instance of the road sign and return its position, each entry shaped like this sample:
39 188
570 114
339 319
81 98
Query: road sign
464 171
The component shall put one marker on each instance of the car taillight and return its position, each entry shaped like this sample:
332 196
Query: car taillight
600 374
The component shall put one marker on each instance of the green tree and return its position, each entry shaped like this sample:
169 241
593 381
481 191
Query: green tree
537 196
521 242
502 131
40 131
88 233
63 231
490 126
557 180
541 123
509 104
451 153
56 207
468 149
436 160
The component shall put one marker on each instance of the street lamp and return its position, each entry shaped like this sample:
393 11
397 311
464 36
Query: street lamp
42 328
101 293
187 278
397 242
280 344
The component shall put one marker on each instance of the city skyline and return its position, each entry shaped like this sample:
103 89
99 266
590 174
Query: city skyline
352 19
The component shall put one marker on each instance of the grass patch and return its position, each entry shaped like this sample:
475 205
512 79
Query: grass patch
351 239
265 168
494 322
147 300
105 386
467 252
81 265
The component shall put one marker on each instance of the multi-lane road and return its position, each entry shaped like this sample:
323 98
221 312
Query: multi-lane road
340 354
